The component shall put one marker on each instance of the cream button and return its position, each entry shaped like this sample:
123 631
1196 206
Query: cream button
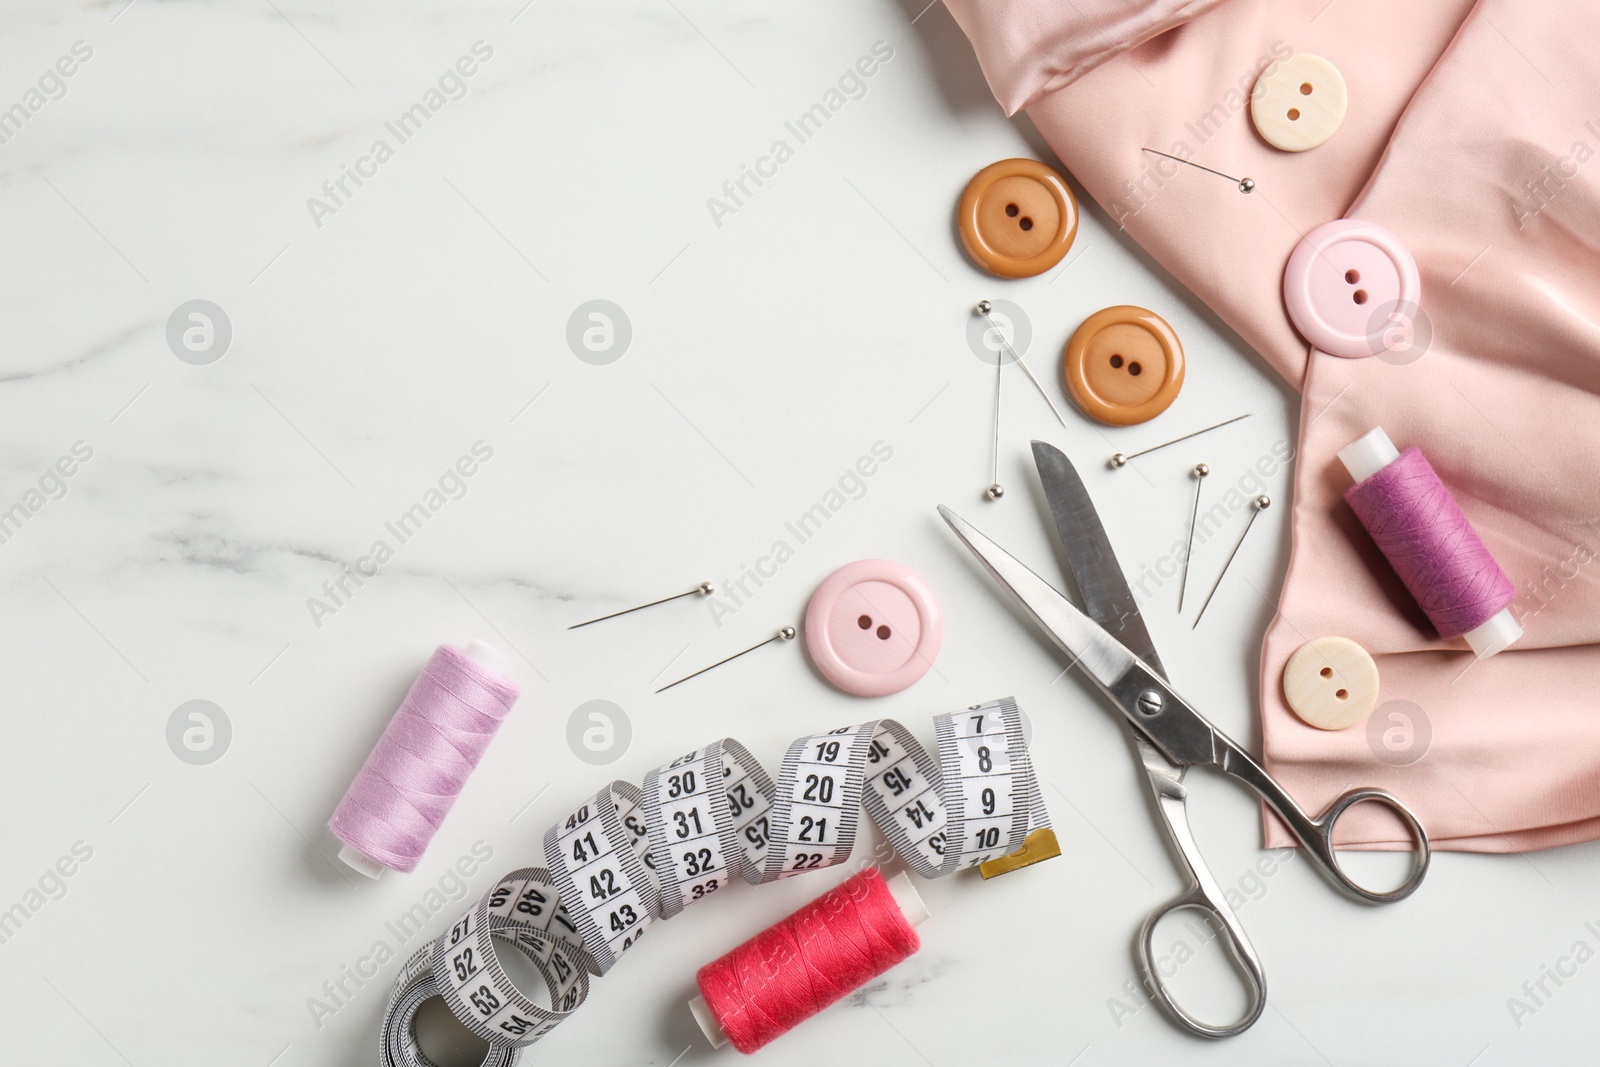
1330 683
1298 103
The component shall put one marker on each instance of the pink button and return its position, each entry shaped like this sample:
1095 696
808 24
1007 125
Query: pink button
873 627
1352 288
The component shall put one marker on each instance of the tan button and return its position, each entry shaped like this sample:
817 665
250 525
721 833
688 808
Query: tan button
1124 365
1331 683
1017 218
1298 103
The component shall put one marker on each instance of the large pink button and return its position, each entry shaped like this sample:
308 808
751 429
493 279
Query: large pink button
1352 288
873 627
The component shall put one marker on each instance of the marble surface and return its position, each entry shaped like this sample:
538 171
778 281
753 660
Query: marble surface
185 524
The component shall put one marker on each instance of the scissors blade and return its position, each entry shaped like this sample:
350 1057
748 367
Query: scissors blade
1106 596
1097 652
1145 699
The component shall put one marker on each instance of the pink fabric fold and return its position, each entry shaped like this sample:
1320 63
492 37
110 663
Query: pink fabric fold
1471 133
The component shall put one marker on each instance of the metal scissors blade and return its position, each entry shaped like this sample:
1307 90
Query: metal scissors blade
1143 696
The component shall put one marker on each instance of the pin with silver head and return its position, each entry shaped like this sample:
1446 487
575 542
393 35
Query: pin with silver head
1120 460
1200 471
984 308
703 589
1245 184
1262 503
995 490
784 634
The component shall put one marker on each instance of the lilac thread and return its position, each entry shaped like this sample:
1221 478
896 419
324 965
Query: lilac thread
423 760
1420 529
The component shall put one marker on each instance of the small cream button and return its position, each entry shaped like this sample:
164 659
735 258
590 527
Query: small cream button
1331 683
1299 103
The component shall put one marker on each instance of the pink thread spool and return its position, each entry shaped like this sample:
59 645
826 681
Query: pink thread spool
419 766
1421 530
822 953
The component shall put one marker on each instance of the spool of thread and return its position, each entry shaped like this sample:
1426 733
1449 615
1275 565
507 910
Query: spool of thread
419 766
820 954
1420 529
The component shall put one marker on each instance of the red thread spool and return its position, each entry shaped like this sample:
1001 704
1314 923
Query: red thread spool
822 953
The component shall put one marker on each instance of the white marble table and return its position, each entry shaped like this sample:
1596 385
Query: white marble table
393 308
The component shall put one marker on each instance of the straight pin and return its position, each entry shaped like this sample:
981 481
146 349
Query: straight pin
1245 184
995 490
983 309
1262 502
1120 460
1200 472
785 634
703 589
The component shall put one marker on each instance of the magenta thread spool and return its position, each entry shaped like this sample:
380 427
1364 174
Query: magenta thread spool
419 766
1420 529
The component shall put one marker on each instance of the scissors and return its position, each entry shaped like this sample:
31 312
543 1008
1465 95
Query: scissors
1109 643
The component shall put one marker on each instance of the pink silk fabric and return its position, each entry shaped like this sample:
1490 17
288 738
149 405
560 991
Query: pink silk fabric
1470 133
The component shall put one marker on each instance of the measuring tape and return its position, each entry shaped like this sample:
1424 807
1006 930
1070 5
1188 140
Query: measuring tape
634 854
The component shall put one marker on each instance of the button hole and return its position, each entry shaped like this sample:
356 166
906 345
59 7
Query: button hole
1134 368
1341 693
1294 114
1327 672
865 622
883 633
1116 361
1360 296
1305 88
1026 223
1011 211
1352 276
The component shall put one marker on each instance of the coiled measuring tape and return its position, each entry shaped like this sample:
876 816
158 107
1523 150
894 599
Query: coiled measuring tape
632 855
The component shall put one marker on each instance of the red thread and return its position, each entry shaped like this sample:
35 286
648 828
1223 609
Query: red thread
820 954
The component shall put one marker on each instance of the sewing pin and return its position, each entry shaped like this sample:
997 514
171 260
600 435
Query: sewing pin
995 490
784 634
1120 460
703 589
1200 472
983 309
1245 184
1262 503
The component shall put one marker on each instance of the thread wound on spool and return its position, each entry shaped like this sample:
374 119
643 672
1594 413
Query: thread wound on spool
419 766
828 949
1422 532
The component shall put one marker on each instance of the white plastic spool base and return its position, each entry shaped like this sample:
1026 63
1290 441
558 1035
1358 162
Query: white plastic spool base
911 906
484 655
1369 454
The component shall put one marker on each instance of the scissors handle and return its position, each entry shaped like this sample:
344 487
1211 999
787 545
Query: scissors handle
1316 834
1239 948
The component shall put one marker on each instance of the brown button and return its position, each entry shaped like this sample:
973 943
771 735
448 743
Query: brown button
1330 683
1124 365
1017 218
